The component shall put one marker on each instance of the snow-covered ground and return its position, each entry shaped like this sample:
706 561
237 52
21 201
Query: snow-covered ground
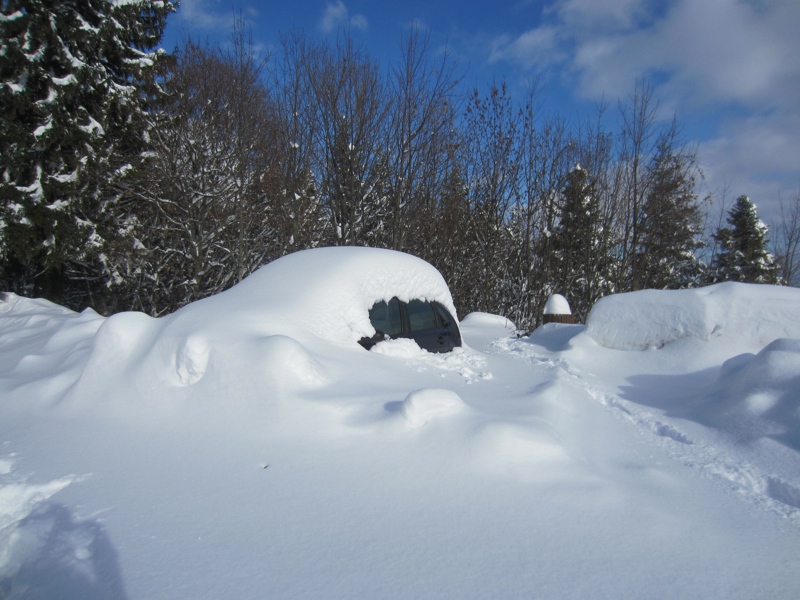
247 447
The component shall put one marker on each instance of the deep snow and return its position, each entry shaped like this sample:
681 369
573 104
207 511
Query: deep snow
247 447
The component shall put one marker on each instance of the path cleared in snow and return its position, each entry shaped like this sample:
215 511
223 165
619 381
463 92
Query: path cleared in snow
769 482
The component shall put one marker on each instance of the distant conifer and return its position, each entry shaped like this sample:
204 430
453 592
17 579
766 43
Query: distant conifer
743 252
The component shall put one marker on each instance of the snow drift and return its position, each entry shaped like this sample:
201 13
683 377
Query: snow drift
247 447
421 406
653 318
758 395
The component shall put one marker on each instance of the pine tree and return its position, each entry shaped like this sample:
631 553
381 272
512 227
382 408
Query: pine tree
582 261
455 247
670 221
77 76
743 252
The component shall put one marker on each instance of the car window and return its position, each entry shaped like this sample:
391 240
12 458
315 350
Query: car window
421 316
444 316
385 317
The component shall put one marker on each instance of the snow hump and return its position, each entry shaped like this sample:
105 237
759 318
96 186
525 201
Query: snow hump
422 406
653 318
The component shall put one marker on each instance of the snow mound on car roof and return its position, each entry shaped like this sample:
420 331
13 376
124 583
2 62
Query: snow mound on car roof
653 318
325 291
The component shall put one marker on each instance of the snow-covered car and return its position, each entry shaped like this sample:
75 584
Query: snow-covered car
344 295
429 324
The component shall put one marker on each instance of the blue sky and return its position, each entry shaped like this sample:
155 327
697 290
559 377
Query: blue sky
729 69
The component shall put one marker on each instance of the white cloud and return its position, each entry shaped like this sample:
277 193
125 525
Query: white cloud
729 51
419 24
583 16
756 155
337 16
733 60
708 52
359 22
533 49
204 14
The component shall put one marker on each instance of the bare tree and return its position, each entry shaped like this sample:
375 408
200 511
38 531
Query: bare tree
296 210
787 242
352 108
423 91
251 125
548 153
638 132
201 214
714 220
491 173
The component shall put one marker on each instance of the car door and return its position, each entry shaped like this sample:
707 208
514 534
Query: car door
448 323
431 326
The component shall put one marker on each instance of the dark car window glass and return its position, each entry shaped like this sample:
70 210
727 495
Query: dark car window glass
385 317
420 316
444 316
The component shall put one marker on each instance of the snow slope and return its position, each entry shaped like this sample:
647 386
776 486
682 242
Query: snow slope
239 449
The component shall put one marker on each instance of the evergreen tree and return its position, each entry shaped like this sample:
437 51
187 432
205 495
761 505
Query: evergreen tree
670 222
581 258
77 78
743 252
455 247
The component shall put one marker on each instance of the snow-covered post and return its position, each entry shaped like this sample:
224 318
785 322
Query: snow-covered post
557 310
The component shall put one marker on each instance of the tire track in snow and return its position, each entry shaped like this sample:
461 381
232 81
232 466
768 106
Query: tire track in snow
742 479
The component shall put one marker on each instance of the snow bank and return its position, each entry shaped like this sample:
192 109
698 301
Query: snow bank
247 447
479 319
481 329
653 318
399 348
43 345
758 395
